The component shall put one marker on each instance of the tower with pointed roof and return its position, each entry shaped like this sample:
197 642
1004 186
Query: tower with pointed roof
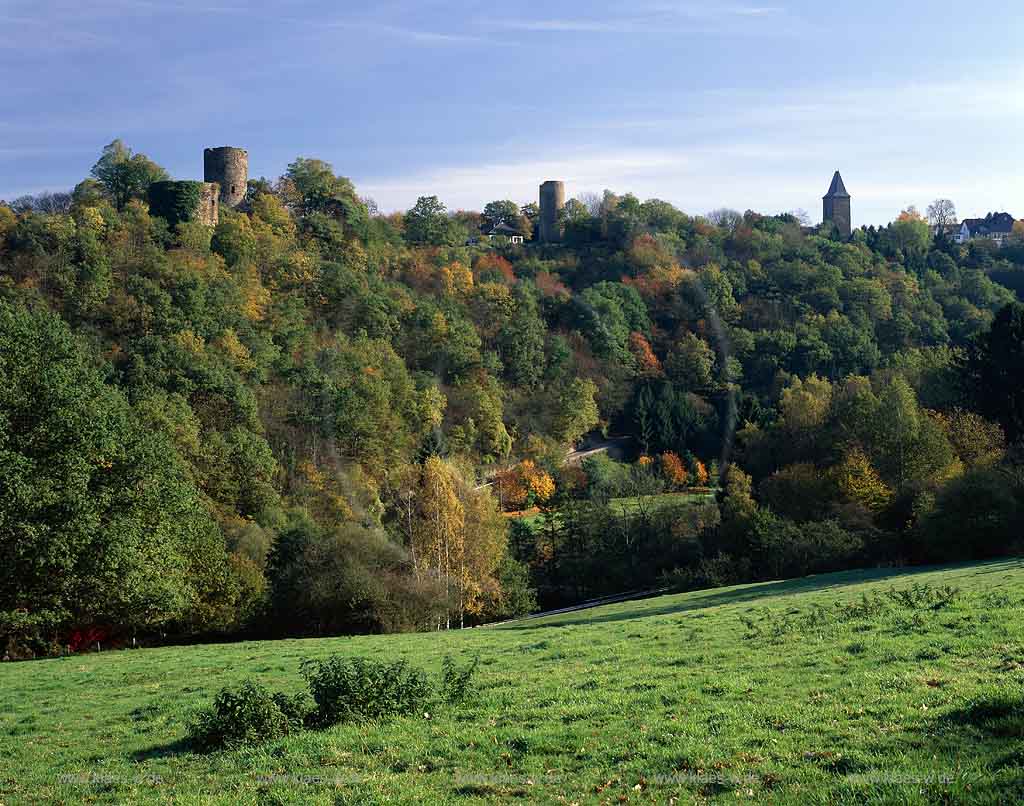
837 207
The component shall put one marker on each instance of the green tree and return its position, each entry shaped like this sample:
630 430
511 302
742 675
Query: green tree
608 313
125 175
99 523
521 341
344 578
501 212
691 364
428 224
907 446
94 281
975 517
359 394
234 239
994 369
531 212
518 597
313 188
577 411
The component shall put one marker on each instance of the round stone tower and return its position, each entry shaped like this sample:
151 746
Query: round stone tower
552 200
229 168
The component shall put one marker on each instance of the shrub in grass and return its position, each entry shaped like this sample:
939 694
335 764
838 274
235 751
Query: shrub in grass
347 689
296 708
248 714
343 690
456 684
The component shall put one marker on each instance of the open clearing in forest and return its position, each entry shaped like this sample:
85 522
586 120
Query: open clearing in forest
867 686
633 504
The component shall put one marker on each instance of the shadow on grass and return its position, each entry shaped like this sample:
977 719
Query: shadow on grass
984 737
699 600
179 747
998 715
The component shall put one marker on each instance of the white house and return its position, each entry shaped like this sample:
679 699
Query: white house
996 227
514 235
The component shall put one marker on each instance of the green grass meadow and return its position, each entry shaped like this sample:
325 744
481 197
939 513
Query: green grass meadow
828 689
634 505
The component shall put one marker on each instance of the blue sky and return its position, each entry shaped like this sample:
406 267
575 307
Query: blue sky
745 104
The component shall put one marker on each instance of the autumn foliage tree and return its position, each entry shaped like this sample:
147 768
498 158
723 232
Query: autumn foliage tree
524 486
673 469
317 390
437 543
860 482
458 537
648 365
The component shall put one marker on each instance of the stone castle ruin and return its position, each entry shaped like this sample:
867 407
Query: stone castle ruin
229 168
552 200
180 201
836 209
226 177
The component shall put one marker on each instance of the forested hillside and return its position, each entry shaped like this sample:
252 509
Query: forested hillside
310 418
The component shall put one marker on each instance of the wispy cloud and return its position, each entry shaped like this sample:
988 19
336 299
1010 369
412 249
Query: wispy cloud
415 35
22 35
654 19
39 151
697 179
517 178
56 26
58 10
743 176
770 152
755 11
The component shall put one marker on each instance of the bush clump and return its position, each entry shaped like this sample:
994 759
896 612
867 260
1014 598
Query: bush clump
246 715
348 689
343 690
456 684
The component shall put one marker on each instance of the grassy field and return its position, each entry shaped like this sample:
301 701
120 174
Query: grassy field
820 690
626 506
654 502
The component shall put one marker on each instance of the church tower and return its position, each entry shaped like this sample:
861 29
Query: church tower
837 207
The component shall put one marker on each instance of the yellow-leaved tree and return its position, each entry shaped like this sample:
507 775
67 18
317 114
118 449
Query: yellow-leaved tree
484 546
858 481
440 523
459 537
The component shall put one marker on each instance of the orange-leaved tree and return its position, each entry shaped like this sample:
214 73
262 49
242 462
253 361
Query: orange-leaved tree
700 473
673 470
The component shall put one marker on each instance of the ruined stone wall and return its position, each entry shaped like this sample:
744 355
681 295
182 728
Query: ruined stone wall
228 167
552 200
176 202
208 210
